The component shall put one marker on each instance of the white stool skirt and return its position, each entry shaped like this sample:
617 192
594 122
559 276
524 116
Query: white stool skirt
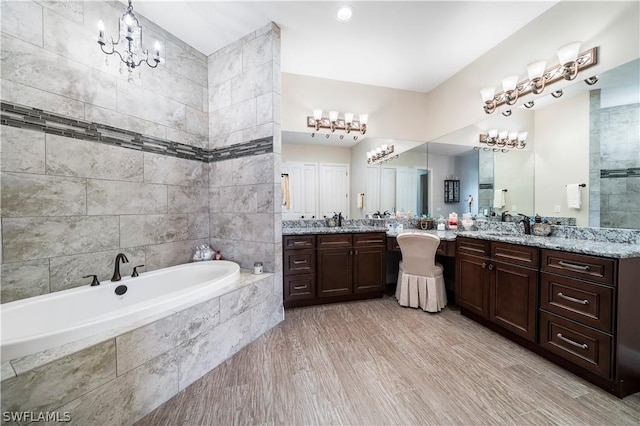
415 291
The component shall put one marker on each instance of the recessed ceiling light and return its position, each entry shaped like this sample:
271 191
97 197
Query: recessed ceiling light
344 14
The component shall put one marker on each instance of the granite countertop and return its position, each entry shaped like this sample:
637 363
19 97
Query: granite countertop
596 248
332 230
583 246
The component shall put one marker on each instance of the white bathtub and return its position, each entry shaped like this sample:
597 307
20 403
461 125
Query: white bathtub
44 322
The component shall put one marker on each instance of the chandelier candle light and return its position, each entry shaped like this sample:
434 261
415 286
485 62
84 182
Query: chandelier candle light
571 63
333 123
128 46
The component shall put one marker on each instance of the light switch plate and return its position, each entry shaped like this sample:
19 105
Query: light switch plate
557 209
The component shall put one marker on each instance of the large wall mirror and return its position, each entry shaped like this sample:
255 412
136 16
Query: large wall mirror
589 136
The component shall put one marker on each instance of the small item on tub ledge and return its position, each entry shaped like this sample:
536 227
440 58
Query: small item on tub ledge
218 255
257 268
203 252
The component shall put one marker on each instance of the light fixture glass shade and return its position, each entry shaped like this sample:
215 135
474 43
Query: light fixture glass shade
364 118
493 133
522 136
509 83
333 115
569 53
369 154
384 147
513 136
348 117
344 14
502 134
317 114
100 25
487 94
536 69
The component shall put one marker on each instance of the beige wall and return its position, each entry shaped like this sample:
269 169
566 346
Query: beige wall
456 103
562 156
514 171
392 113
316 153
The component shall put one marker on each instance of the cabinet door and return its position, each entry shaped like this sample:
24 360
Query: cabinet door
472 291
334 272
369 269
513 298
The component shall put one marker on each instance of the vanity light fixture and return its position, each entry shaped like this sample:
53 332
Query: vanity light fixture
571 62
334 122
128 46
502 140
381 154
344 13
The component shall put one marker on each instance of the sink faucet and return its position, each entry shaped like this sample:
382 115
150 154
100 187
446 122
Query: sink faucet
116 272
527 223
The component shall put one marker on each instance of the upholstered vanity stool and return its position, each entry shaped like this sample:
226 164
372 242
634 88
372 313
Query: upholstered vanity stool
420 279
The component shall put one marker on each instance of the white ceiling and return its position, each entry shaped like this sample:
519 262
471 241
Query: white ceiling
411 45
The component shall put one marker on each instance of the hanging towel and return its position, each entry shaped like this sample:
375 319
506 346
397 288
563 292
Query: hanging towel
361 200
286 195
498 199
574 196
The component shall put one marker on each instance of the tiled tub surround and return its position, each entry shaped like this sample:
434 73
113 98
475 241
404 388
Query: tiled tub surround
117 379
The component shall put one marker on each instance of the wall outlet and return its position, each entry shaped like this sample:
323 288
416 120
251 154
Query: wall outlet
514 209
556 209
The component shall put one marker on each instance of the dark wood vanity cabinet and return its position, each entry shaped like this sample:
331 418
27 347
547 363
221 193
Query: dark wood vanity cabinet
347 266
499 282
589 316
579 311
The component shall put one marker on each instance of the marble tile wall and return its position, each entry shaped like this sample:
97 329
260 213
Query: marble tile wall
244 104
69 206
614 157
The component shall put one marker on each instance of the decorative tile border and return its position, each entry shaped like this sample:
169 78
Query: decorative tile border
620 173
36 119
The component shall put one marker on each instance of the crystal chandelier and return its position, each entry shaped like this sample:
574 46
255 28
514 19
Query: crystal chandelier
128 46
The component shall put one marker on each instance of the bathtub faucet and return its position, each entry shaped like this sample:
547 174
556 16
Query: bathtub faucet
116 272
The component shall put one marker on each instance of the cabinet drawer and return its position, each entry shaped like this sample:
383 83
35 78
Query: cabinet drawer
587 303
299 241
472 246
592 268
369 239
514 253
334 241
298 287
584 346
299 262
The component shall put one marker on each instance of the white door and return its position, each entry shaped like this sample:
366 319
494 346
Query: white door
372 194
302 190
334 189
406 189
388 189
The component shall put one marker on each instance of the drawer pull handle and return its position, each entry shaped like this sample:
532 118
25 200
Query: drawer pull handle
298 262
491 267
299 287
571 342
299 243
484 265
585 268
573 299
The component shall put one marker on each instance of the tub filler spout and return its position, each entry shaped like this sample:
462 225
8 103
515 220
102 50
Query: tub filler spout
116 272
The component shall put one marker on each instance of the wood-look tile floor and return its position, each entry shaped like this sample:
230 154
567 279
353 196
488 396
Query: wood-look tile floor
376 363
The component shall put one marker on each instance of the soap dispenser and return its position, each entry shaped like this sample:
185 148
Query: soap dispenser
540 228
